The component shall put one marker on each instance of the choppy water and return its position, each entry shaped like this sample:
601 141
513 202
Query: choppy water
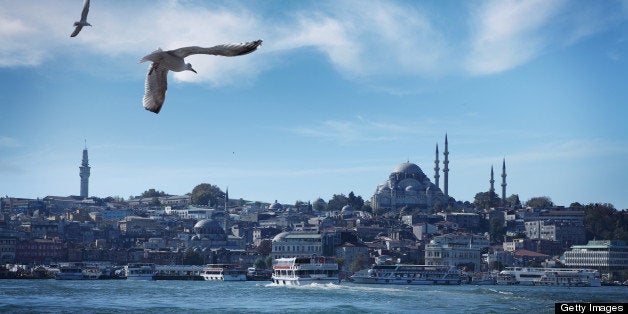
117 296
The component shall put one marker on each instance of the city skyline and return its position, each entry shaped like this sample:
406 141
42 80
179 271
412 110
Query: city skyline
338 95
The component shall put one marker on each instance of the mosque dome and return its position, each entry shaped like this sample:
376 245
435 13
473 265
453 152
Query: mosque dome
208 226
408 168
280 236
276 206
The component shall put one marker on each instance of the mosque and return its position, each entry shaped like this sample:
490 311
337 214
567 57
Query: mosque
407 185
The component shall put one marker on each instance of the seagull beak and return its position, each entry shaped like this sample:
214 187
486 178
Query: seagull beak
193 70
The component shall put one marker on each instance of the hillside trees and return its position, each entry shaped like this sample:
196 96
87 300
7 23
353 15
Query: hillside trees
207 194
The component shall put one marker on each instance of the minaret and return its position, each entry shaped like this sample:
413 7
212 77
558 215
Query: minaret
436 168
492 181
84 173
504 182
446 169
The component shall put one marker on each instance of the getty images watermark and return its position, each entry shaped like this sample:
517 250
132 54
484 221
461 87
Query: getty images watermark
585 307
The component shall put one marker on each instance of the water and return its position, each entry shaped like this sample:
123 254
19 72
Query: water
124 296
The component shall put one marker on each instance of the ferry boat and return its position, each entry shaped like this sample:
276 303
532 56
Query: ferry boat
223 272
304 270
532 276
178 272
78 271
140 271
404 274
253 274
70 272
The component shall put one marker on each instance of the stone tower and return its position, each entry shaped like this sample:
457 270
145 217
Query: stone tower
504 182
492 181
446 169
84 174
436 168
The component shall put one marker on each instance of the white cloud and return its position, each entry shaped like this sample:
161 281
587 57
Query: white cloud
506 34
366 42
359 130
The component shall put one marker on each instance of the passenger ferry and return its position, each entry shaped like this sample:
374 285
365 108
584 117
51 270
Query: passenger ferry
140 271
78 271
531 276
178 272
404 274
223 272
304 270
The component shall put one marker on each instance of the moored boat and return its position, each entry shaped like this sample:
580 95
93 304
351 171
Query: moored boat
404 274
140 271
533 276
223 272
304 270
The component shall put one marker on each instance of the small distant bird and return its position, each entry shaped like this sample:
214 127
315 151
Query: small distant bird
162 61
83 22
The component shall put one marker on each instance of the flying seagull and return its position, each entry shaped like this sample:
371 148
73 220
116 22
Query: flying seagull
162 61
83 22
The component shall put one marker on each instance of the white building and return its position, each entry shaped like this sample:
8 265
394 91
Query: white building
605 255
287 244
456 250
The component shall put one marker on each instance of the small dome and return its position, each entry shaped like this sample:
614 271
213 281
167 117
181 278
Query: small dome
347 208
280 236
275 206
208 226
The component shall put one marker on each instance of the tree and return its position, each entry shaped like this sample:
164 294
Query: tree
319 204
337 202
355 202
260 263
486 200
497 231
207 194
153 193
358 263
513 201
540 202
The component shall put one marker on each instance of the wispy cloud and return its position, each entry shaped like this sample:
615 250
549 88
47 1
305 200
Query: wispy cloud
359 130
507 34
366 42
6 141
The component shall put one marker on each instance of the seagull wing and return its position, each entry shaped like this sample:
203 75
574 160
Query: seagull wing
85 11
229 50
77 29
155 88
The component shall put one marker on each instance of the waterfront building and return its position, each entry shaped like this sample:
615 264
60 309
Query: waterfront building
456 250
604 255
292 244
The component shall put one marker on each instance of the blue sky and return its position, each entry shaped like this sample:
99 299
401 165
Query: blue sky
339 94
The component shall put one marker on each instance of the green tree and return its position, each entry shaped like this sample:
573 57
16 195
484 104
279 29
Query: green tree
337 202
319 204
540 202
513 201
497 231
356 202
153 193
358 263
207 194
486 200
260 263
